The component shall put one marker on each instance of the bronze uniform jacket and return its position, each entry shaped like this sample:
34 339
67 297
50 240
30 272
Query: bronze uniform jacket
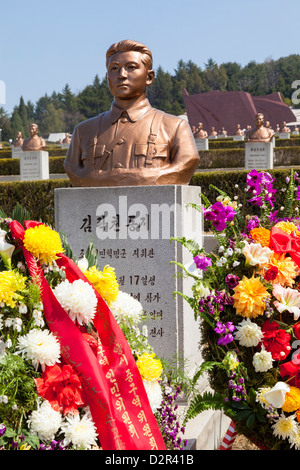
139 146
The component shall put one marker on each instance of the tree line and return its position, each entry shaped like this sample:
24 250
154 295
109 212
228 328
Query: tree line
61 111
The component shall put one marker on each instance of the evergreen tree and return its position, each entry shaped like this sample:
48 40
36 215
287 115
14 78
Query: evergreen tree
23 115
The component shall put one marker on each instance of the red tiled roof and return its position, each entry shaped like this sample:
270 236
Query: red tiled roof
229 108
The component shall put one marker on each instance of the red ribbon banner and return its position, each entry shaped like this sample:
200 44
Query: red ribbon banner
282 242
113 385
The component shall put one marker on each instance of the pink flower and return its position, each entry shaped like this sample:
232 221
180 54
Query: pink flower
287 299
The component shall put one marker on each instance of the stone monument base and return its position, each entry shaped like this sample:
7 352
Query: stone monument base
16 152
259 155
34 165
202 144
131 228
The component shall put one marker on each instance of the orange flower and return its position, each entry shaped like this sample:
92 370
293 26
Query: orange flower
261 235
249 297
292 400
287 269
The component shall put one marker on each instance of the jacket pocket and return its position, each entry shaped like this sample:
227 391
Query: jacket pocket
160 150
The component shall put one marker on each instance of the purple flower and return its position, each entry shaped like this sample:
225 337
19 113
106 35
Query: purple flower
232 280
2 429
218 215
202 262
225 331
253 223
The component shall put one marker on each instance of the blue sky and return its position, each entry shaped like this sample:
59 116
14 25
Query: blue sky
44 45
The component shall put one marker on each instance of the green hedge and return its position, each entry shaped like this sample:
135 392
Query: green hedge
52 150
35 196
235 158
38 196
11 166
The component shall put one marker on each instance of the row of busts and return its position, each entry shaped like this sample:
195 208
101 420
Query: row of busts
35 142
200 133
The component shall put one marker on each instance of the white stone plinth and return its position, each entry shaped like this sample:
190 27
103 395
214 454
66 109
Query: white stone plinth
16 152
131 228
202 144
34 165
259 155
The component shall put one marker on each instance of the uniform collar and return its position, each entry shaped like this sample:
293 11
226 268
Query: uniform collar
133 113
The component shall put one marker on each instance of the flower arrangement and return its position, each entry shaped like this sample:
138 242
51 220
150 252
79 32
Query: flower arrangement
246 296
43 401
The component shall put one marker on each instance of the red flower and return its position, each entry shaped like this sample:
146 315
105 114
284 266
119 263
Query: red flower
61 386
276 341
271 273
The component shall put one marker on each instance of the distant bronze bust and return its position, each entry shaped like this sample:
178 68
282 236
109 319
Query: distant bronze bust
132 144
260 133
19 140
238 130
34 142
200 132
284 128
213 132
67 139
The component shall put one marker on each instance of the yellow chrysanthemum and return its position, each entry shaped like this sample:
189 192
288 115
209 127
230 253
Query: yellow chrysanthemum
292 400
249 297
150 368
105 282
287 269
11 284
261 235
43 243
288 227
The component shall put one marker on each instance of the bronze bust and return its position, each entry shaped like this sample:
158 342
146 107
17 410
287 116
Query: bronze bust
260 133
132 144
200 132
34 142
19 140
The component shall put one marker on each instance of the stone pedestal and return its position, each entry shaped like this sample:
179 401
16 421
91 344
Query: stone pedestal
238 137
16 152
202 144
131 228
259 155
34 165
284 135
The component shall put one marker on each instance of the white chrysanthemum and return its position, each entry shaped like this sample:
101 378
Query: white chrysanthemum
126 309
295 440
286 427
45 422
41 346
262 361
248 333
154 393
256 254
260 398
80 432
78 299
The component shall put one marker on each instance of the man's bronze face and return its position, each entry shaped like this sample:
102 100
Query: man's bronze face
33 130
259 120
127 75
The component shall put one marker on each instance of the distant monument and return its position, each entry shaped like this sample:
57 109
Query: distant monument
259 146
260 133
213 133
284 128
200 132
34 142
19 140
238 130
